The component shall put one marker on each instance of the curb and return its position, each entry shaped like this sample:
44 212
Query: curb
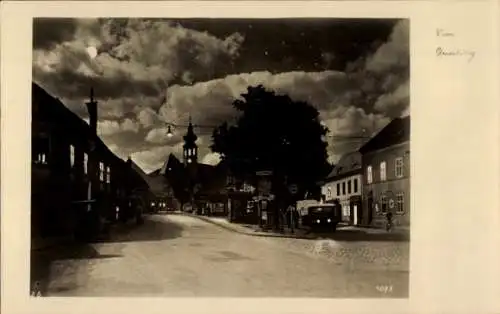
248 233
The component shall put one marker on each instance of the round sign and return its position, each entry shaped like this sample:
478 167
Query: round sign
293 188
391 203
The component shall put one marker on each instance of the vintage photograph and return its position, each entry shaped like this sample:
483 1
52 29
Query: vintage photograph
220 157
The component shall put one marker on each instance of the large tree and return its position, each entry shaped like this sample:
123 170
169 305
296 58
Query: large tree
275 133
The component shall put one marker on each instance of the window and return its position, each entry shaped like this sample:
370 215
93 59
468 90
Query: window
369 175
101 171
85 163
41 158
343 188
383 173
108 174
400 202
40 149
72 155
355 185
338 189
349 187
399 167
383 203
329 192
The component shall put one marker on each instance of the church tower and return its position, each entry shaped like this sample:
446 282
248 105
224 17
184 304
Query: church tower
190 155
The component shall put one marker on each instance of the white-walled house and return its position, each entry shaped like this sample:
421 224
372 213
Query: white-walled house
345 184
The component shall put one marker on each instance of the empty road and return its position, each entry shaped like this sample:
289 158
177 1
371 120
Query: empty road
181 256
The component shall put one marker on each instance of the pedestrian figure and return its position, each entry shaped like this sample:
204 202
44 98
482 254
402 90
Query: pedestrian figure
290 214
389 221
36 290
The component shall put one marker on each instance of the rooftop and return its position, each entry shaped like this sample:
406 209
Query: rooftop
396 132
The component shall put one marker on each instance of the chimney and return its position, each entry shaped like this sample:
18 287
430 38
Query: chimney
92 109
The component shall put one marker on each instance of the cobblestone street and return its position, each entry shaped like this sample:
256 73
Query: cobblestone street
176 255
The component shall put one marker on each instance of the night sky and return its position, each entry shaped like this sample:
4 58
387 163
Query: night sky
147 71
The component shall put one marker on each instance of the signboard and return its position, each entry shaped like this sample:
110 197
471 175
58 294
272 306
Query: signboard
293 188
264 215
264 173
391 203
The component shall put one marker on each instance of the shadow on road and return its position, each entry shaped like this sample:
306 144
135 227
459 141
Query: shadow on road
43 260
154 228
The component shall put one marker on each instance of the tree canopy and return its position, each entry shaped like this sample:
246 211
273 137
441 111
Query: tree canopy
274 133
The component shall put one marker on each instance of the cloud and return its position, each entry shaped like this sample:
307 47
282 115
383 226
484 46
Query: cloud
138 59
210 102
111 127
348 121
48 32
147 117
153 158
398 99
108 127
135 56
211 159
406 112
130 125
330 92
394 53
383 76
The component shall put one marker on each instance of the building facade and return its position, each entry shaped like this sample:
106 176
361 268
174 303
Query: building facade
77 183
386 169
345 184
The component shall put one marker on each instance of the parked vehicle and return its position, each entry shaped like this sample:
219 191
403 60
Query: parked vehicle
321 216
157 206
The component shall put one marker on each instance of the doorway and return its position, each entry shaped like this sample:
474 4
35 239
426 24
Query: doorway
356 210
370 208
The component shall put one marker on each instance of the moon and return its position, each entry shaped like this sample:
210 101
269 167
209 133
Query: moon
92 51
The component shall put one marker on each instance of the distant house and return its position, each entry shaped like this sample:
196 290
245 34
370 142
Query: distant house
162 195
386 168
344 184
142 193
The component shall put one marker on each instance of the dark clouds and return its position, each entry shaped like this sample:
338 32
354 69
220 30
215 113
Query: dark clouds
48 32
356 72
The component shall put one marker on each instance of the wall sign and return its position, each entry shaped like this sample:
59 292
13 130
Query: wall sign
391 203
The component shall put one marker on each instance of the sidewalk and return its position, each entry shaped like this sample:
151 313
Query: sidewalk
252 230
344 232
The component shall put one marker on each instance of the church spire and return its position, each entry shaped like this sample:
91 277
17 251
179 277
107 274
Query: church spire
190 147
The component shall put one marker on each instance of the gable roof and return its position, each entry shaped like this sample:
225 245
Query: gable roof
138 170
154 172
50 108
348 164
396 132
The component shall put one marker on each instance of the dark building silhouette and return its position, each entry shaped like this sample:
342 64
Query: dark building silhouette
207 188
77 182
190 153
